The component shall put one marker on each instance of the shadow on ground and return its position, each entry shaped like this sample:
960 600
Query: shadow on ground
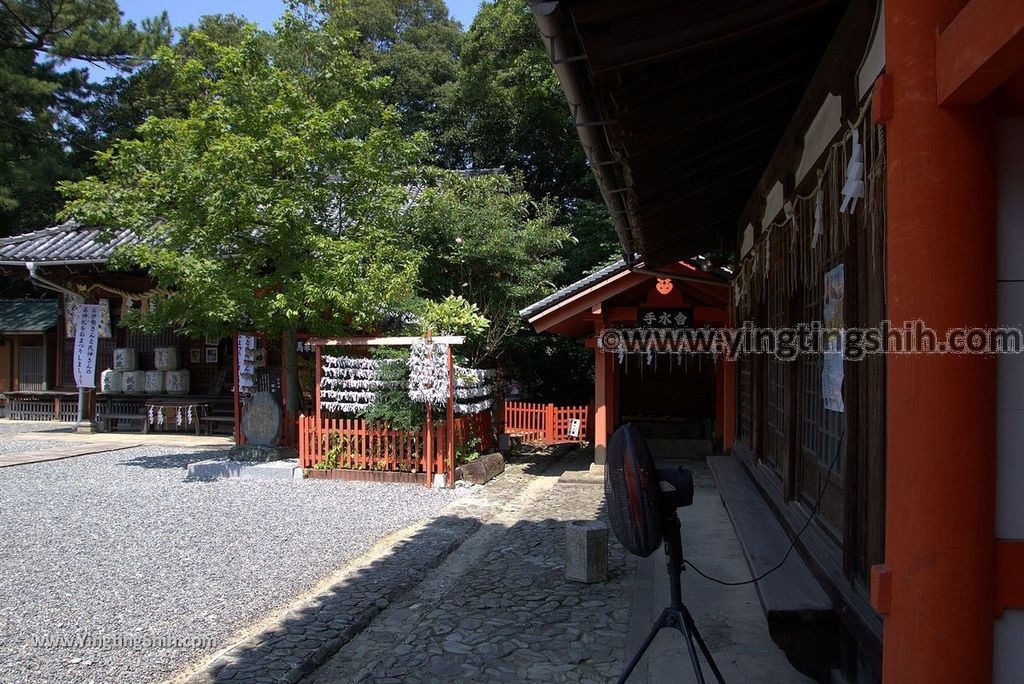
499 609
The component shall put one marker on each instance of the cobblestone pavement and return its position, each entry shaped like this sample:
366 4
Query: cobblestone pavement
500 609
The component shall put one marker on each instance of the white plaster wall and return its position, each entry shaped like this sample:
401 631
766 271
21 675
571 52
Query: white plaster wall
772 204
874 58
819 134
1008 656
748 240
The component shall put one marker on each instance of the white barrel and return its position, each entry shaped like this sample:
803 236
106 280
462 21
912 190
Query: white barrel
165 358
177 381
133 382
110 381
154 382
126 359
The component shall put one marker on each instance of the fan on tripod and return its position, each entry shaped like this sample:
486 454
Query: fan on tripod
642 504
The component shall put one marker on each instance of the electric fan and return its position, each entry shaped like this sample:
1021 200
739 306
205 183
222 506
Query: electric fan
642 504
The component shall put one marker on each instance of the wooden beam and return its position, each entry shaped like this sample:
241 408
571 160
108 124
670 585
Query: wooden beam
656 36
979 51
384 341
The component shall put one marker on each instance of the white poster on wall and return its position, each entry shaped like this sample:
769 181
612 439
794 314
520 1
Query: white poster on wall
87 327
832 371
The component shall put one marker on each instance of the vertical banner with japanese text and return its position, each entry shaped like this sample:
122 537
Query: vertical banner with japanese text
87 328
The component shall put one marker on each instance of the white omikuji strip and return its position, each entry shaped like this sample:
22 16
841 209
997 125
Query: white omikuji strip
350 362
340 372
473 392
331 383
354 397
343 407
473 408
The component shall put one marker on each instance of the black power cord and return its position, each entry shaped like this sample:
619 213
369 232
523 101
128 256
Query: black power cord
792 544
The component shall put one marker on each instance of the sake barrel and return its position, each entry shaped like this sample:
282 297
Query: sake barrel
110 381
133 382
177 381
165 358
154 382
126 359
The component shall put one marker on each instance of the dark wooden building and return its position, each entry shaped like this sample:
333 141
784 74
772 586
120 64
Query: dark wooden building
861 159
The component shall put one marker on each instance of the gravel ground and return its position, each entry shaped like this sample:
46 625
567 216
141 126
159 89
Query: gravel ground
11 432
121 547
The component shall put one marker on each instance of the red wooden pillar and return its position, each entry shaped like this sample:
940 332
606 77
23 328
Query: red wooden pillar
937 582
601 421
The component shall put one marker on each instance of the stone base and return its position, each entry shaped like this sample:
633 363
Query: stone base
597 469
86 427
254 453
215 469
482 469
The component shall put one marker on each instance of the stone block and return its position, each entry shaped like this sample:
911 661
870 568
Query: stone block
586 551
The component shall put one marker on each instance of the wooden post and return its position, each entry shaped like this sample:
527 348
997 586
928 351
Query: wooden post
549 423
450 437
941 408
318 361
239 439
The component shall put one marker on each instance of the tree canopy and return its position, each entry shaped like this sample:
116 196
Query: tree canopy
273 202
44 88
295 178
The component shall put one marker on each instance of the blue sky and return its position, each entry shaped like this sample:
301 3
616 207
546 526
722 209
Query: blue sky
263 12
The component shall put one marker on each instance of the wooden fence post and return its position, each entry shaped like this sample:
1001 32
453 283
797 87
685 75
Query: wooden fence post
549 423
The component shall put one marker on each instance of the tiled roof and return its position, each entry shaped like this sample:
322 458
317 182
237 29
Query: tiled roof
68 242
27 315
579 286
598 277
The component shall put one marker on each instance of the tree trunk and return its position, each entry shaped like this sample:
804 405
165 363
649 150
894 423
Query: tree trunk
292 396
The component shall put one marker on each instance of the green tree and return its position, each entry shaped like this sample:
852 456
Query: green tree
42 92
274 202
121 103
484 239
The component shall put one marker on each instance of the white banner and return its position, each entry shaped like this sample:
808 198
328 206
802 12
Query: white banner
87 328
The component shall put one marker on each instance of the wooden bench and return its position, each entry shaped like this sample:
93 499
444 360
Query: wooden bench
107 420
211 421
801 617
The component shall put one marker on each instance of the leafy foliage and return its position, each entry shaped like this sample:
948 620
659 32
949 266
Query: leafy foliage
452 315
486 240
41 94
274 202
393 405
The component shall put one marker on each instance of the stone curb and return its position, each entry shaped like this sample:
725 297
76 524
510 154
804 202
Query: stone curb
305 637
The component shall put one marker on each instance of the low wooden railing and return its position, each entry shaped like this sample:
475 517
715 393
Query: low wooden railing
357 445
546 423
354 444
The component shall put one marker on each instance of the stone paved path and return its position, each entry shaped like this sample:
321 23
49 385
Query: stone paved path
476 594
500 609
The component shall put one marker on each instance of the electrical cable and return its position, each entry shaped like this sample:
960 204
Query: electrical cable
792 544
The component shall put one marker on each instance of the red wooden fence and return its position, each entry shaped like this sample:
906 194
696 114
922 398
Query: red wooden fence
546 423
357 445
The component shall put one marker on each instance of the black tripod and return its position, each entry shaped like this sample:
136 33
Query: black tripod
676 615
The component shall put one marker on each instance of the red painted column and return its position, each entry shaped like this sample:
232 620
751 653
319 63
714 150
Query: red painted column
940 410
600 405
